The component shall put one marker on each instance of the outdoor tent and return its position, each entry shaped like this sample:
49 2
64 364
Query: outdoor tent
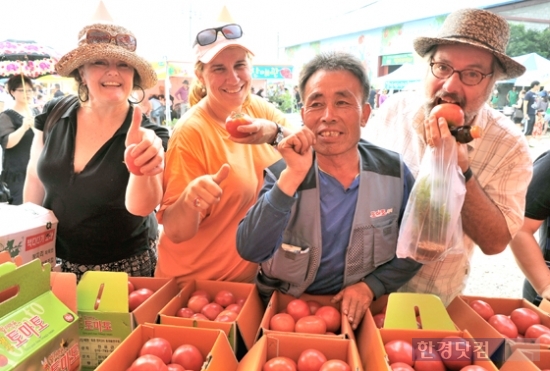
538 68
402 77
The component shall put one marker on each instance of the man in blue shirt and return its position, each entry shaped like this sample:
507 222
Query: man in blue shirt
327 218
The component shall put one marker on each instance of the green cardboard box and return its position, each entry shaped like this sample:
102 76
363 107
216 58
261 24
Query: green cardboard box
37 331
105 320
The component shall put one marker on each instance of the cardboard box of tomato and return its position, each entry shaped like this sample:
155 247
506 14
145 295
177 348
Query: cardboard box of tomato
37 331
241 332
105 319
291 345
279 302
527 360
212 344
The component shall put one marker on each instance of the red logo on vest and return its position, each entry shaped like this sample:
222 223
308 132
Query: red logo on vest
37 240
381 212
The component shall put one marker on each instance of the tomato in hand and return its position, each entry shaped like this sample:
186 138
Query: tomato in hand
331 316
279 364
311 325
311 360
399 351
282 322
452 113
482 308
148 362
524 318
234 121
137 297
189 357
158 347
335 365
297 308
504 325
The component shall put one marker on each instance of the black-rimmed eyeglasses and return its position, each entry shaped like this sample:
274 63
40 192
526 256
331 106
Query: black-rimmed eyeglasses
210 35
468 77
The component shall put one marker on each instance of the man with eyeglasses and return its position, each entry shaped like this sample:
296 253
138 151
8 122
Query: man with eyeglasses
465 60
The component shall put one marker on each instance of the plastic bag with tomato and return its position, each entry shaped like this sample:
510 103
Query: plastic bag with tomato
431 227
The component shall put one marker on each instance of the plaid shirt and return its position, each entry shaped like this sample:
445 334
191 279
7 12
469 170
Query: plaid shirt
500 161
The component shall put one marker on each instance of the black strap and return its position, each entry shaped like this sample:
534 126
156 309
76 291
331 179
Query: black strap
57 111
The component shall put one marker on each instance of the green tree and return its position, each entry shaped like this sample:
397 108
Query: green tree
525 41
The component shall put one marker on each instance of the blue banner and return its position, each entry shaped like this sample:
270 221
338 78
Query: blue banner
272 72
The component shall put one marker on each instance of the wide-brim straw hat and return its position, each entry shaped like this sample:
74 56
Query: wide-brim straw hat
85 53
479 28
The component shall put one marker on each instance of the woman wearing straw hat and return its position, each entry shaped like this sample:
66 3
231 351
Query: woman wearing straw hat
211 178
16 135
77 168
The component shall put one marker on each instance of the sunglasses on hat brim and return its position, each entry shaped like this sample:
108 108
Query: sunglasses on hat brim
126 41
210 35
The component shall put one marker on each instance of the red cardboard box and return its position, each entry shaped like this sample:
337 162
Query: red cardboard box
103 309
290 345
242 331
279 301
213 345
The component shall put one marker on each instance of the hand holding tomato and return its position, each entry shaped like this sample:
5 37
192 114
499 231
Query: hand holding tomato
245 129
355 299
205 191
234 121
144 154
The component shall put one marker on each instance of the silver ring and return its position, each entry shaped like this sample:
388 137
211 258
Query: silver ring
197 202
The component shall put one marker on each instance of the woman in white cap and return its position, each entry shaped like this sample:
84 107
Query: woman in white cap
77 167
211 178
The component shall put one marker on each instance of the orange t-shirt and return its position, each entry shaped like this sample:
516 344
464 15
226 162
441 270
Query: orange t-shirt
200 146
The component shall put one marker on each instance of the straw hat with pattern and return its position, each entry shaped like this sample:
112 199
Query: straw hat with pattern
88 52
479 28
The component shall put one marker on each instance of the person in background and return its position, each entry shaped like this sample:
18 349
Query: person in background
493 101
382 97
183 95
77 167
518 108
464 60
529 111
212 177
297 99
512 97
313 228
16 135
372 97
57 91
534 258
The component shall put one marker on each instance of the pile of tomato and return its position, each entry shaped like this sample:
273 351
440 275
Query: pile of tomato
225 307
136 297
307 317
156 354
309 360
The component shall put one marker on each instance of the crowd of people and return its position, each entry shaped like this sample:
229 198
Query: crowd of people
314 209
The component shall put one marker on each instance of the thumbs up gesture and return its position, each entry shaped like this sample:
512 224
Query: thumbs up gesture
144 153
205 190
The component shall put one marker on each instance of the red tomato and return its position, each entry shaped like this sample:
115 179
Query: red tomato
200 293
279 364
199 317
313 306
400 366
158 347
129 161
189 357
211 310
428 361
184 313
234 308
473 368
533 332
331 316
504 325
335 365
196 303
148 362
130 287
282 322
240 301
137 297
524 318
456 352
452 113
311 325
224 298
234 121
379 319
311 360
175 367
482 308
399 351
544 339
226 316
297 308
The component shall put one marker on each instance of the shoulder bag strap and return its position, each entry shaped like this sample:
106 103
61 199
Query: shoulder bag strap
57 111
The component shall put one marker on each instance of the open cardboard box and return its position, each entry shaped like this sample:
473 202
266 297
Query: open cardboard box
500 347
241 333
279 301
291 345
36 329
527 360
212 344
103 309
28 230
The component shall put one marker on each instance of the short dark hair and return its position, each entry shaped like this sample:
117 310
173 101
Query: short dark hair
16 81
534 83
335 61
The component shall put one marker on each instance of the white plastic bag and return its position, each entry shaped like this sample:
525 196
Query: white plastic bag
431 222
